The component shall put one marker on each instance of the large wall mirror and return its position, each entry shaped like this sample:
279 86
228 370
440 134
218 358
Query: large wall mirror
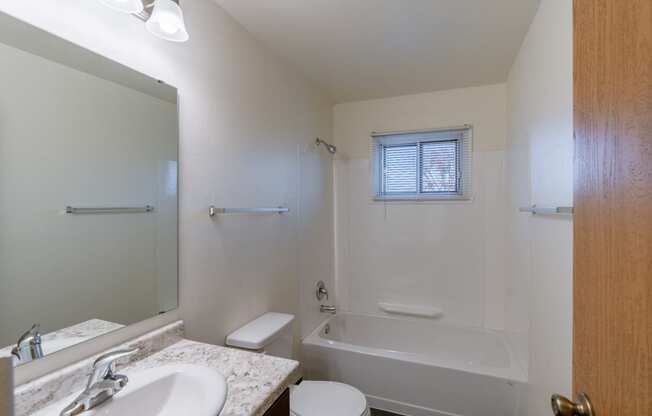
88 194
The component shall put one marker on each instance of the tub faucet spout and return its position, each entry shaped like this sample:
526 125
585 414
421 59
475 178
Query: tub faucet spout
328 309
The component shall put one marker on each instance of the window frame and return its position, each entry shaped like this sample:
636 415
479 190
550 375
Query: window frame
463 153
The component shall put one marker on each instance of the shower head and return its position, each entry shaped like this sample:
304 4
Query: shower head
332 149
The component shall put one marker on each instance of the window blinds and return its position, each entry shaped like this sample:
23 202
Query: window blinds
434 164
399 169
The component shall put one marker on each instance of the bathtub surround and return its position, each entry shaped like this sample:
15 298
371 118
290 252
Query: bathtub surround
447 255
247 119
539 171
254 381
483 263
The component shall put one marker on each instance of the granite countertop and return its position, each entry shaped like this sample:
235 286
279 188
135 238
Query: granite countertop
254 380
67 337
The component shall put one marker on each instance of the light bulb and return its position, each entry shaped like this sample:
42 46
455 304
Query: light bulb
167 22
168 26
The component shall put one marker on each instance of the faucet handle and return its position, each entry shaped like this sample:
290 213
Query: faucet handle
321 292
104 365
108 360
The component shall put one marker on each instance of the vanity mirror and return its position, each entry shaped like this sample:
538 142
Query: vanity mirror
88 194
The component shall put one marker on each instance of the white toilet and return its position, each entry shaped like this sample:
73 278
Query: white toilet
272 334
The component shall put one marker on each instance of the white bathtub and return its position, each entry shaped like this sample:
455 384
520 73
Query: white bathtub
417 367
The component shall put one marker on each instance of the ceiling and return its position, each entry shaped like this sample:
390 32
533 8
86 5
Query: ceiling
363 49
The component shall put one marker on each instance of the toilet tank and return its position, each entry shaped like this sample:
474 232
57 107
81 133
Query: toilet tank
270 333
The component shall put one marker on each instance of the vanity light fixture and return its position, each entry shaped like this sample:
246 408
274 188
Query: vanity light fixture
165 20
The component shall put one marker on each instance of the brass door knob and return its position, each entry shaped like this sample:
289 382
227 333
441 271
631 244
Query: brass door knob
561 406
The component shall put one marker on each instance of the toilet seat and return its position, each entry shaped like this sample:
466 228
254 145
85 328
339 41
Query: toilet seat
327 398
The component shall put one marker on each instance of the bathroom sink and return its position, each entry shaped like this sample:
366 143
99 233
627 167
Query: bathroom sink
179 389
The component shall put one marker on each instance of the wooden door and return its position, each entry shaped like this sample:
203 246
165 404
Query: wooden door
612 346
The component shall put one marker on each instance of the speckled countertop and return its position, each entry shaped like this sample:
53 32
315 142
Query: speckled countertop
254 381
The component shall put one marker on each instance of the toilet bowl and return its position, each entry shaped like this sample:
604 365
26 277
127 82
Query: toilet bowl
272 335
327 398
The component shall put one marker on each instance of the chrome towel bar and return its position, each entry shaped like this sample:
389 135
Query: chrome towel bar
547 210
108 210
212 210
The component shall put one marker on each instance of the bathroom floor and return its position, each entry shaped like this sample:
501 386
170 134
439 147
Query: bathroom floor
376 412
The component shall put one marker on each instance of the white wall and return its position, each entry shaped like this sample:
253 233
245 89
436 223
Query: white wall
247 122
539 171
444 254
103 144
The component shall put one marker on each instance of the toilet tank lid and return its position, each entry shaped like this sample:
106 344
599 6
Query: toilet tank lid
260 332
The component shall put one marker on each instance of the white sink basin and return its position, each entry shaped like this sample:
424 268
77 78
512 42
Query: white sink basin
171 390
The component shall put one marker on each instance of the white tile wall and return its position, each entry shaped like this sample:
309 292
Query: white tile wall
444 254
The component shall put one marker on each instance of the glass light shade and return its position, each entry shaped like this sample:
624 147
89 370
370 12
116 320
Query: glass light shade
166 21
125 6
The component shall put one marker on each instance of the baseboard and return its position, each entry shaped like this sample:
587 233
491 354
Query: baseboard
405 409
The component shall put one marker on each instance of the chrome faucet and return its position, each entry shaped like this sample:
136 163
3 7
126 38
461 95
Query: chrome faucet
102 384
328 309
29 346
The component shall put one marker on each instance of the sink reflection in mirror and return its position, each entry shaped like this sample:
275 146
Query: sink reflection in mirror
58 340
88 196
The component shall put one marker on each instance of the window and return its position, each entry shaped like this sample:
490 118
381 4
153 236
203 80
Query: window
425 165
